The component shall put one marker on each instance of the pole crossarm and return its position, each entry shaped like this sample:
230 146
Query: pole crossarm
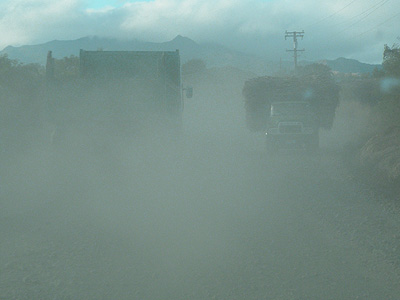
295 35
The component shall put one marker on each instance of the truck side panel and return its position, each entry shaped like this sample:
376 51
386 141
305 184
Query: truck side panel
159 71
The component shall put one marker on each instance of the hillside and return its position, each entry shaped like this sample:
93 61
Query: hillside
214 55
345 65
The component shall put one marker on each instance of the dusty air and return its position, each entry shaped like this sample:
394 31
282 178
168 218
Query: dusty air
165 173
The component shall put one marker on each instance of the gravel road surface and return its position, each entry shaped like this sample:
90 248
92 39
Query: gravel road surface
205 218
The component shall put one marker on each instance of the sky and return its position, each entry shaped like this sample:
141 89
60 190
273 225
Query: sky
356 29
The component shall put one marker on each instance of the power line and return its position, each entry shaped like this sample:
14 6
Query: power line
349 20
369 11
374 8
365 13
380 24
332 15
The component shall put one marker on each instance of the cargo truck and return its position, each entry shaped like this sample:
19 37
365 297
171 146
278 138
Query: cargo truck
119 92
291 110
292 124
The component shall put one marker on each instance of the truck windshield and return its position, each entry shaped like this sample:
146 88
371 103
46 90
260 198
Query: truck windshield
290 108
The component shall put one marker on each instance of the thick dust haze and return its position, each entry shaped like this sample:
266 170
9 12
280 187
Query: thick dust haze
207 214
352 126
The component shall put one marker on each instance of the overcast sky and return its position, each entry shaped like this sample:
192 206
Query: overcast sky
333 28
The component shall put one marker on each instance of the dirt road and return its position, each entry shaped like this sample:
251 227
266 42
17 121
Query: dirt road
211 216
216 219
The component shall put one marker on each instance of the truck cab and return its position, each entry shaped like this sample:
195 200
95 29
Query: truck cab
292 124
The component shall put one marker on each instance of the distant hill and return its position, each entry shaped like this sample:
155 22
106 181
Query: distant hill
37 53
214 55
345 65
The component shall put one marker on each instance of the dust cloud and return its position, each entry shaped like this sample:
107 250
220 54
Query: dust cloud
352 126
203 215
92 213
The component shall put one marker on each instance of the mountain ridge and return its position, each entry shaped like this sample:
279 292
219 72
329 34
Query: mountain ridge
212 53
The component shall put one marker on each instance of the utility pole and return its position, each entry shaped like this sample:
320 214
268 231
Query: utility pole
295 35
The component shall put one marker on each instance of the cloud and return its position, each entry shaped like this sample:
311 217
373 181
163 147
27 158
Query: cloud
24 21
333 28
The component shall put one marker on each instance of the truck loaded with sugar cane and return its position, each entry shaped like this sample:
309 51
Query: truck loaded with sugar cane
291 110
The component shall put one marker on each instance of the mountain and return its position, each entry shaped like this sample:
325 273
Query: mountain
214 55
38 53
345 65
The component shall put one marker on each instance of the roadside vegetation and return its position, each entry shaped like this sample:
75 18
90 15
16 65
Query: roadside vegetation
375 145
20 100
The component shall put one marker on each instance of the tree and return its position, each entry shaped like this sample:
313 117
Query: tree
66 68
391 60
20 96
316 69
19 79
378 73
